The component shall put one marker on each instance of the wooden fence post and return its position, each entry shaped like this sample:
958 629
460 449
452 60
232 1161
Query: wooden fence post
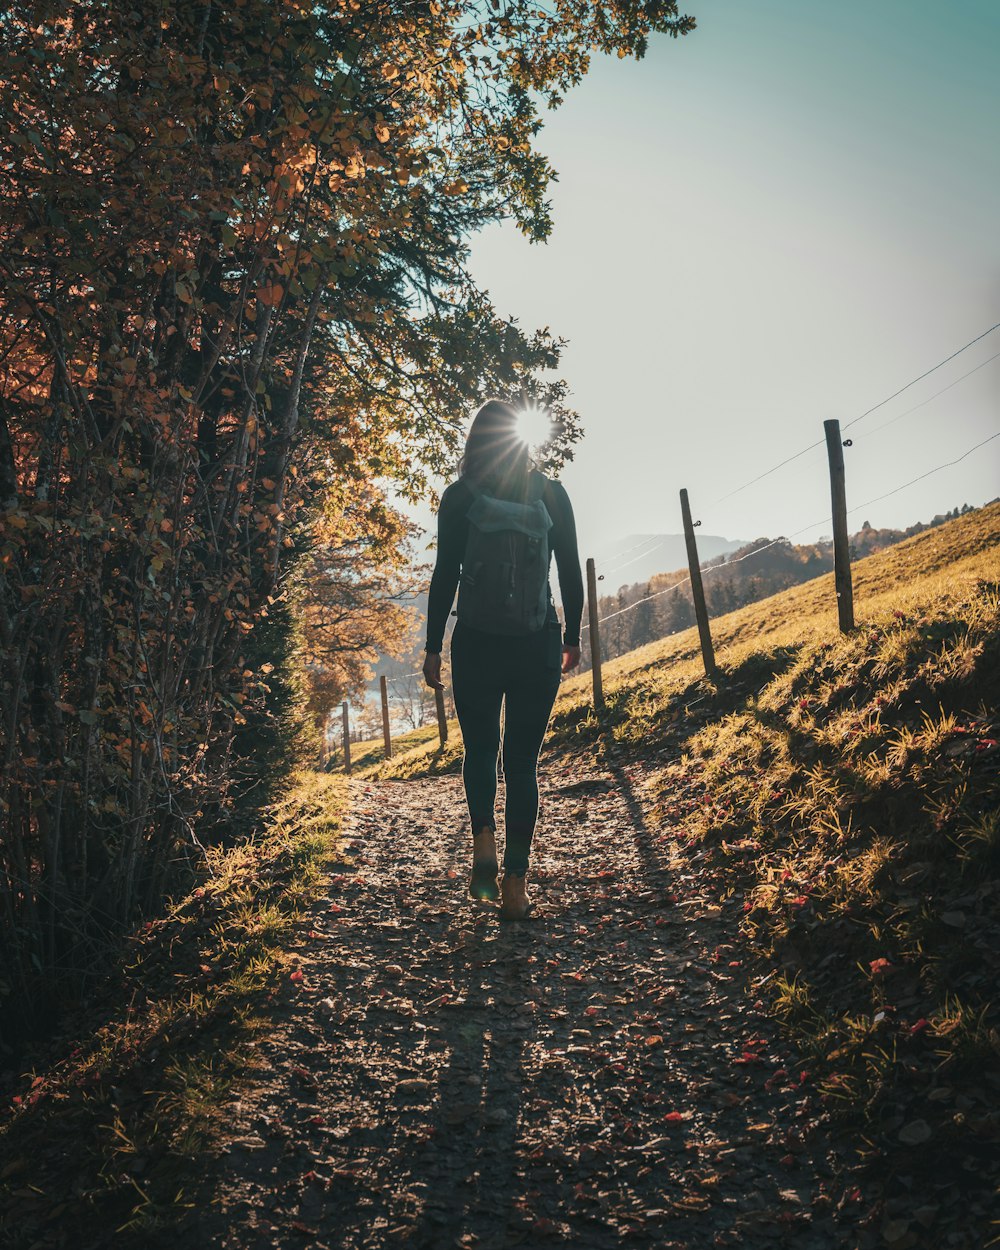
386 737
441 715
347 740
697 589
595 637
841 549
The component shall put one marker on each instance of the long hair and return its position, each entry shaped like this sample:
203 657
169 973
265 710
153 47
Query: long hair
496 455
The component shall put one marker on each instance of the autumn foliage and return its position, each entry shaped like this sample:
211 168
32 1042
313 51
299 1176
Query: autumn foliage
232 274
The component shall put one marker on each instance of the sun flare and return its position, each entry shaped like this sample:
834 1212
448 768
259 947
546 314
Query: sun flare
535 426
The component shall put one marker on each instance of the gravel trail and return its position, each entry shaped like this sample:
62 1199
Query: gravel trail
598 1075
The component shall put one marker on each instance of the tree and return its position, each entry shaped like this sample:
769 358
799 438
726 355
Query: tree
409 696
350 593
644 618
233 266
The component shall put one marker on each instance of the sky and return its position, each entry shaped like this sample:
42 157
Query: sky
782 218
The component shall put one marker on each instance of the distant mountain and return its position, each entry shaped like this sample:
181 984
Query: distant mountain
639 557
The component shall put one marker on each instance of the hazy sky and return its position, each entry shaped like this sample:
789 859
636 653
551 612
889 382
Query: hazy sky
782 218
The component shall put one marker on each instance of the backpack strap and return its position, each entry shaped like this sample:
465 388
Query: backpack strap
536 486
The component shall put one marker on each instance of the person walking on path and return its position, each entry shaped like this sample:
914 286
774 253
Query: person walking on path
499 524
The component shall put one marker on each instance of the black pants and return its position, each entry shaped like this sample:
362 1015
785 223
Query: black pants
488 670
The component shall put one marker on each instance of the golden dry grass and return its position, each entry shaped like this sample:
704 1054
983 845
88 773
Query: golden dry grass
648 687
933 568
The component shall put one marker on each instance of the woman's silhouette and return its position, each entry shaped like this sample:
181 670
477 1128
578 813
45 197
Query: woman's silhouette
498 525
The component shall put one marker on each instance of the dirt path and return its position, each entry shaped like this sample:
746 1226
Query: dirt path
594 1076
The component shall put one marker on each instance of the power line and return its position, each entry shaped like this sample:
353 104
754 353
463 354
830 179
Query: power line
767 473
784 538
882 403
621 611
711 568
641 556
867 413
923 403
650 538
708 568
936 469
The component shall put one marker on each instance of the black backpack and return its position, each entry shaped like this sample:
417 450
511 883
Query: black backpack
504 588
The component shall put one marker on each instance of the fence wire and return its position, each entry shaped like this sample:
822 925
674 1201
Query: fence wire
649 541
867 413
708 569
924 402
926 374
647 545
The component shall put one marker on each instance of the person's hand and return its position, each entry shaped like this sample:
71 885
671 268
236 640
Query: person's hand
571 658
432 670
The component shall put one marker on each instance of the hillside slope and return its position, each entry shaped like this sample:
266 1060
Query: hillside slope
897 579
657 606
843 793
654 683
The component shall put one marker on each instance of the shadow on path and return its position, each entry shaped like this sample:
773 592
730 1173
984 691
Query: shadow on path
468 1170
593 1077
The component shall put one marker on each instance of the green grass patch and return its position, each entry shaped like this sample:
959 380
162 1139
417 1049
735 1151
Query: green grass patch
416 754
114 1131
370 754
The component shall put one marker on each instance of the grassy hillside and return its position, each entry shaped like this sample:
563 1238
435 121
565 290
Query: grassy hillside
842 796
774 567
371 751
932 568
647 689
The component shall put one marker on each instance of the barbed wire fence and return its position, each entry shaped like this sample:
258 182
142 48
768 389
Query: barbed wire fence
645 546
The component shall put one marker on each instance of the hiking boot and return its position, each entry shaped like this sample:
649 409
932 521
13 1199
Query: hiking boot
515 905
483 881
